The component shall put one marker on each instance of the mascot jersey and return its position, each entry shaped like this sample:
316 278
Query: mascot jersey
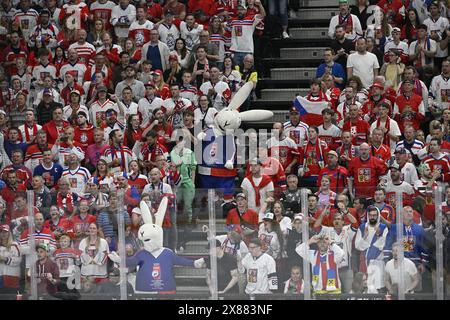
156 274
215 153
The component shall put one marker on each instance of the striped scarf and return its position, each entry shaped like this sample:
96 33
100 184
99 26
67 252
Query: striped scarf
326 269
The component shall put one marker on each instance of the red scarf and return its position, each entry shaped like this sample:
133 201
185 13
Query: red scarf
264 182
387 125
65 202
122 154
27 134
347 22
321 97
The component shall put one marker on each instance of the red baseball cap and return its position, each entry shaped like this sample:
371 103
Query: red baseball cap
377 85
159 72
4 227
173 56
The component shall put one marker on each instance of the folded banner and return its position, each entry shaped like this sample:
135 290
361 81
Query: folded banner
310 111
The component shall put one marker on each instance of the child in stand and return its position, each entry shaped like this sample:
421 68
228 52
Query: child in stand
68 260
294 285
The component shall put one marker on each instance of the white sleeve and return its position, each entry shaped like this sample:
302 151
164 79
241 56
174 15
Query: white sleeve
358 27
333 24
422 108
360 243
433 46
272 273
338 253
114 16
395 130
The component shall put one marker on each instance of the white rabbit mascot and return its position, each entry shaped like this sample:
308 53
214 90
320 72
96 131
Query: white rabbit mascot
155 262
217 168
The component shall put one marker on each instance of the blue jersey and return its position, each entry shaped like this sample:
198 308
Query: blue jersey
216 151
413 246
156 274
50 176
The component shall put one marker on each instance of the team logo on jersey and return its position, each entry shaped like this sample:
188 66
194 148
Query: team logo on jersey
252 275
170 41
364 174
83 138
213 152
63 264
238 31
24 24
445 93
156 273
73 182
139 38
44 74
353 130
295 135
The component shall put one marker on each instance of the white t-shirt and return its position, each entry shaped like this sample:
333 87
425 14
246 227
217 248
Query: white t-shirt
363 65
409 270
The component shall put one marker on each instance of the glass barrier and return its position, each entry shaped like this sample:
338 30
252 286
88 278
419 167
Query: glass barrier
389 247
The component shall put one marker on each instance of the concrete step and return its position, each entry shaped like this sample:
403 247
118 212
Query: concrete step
189 273
280 116
292 74
315 54
316 14
317 3
192 289
197 247
283 94
309 33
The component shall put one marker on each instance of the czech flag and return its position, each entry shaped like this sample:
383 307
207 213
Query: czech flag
310 111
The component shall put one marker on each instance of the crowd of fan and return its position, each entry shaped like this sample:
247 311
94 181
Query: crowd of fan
103 97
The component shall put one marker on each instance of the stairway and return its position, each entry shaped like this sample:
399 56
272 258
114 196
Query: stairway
288 68
191 280
292 63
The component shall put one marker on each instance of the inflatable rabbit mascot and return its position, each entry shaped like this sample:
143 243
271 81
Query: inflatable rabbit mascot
155 262
217 168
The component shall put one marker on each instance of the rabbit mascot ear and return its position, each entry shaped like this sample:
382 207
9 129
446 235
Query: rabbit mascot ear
229 118
151 232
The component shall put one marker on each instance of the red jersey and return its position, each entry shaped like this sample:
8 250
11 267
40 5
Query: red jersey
155 12
360 131
11 54
9 194
442 163
328 219
249 217
76 13
81 225
65 92
387 212
413 118
284 150
24 175
84 136
136 135
370 108
383 152
139 182
64 225
52 132
164 93
150 152
365 175
338 178
313 157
